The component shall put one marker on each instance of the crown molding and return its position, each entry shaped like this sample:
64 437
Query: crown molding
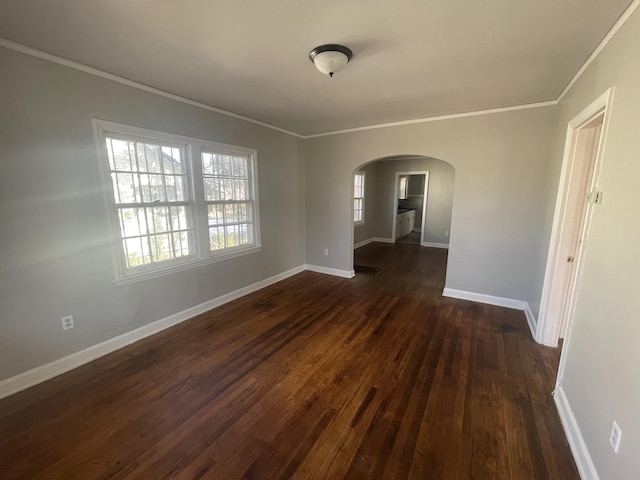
605 41
437 118
8 44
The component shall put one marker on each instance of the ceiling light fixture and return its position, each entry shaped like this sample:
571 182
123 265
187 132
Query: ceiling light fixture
331 58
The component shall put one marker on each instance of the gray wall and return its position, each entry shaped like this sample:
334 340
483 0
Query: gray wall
57 258
602 375
439 197
56 254
500 163
366 231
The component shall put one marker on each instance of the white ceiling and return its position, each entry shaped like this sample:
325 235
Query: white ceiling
412 58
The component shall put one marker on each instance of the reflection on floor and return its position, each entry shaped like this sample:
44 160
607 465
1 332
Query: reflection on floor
412 239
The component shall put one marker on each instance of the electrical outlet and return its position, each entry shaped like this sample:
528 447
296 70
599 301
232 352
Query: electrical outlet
326 251
446 233
67 322
615 436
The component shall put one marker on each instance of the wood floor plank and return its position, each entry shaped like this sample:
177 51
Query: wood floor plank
315 377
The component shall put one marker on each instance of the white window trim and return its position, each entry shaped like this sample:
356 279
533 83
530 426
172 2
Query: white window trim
253 184
195 191
364 183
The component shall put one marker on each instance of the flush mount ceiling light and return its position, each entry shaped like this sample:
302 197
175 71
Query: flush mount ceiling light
330 59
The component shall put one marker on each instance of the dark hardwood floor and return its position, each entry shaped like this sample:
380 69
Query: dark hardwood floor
313 377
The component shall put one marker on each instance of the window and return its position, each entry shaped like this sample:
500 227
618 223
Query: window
151 199
403 187
163 218
358 198
229 197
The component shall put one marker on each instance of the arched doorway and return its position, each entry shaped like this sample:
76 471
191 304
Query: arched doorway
380 205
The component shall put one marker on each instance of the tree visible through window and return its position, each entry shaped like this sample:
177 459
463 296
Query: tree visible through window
358 198
149 188
163 218
229 196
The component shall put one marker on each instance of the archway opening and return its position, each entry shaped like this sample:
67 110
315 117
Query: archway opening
403 199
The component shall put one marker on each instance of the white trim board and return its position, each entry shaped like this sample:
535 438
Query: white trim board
607 38
330 271
498 301
363 243
438 118
434 245
483 298
532 321
383 240
551 302
42 373
17 47
581 455
109 76
372 240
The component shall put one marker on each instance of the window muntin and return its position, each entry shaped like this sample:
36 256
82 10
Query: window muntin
160 213
358 198
151 197
228 192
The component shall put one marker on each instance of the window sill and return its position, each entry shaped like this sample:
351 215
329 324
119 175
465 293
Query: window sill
186 266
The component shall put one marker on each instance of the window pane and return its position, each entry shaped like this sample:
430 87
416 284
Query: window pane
181 244
231 235
179 218
240 167
144 172
227 188
156 188
124 185
141 156
244 212
216 216
227 165
133 222
134 252
211 190
216 238
119 158
181 189
158 219
161 247
358 200
170 187
242 189
229 213
207 163
168 163
152 154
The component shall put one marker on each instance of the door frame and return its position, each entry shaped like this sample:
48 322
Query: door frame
394 212
556 305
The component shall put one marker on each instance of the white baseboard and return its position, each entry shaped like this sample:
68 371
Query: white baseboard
532 321
482 298
39 374
363 243
330 271
435 245
383 240
581 455
498 301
